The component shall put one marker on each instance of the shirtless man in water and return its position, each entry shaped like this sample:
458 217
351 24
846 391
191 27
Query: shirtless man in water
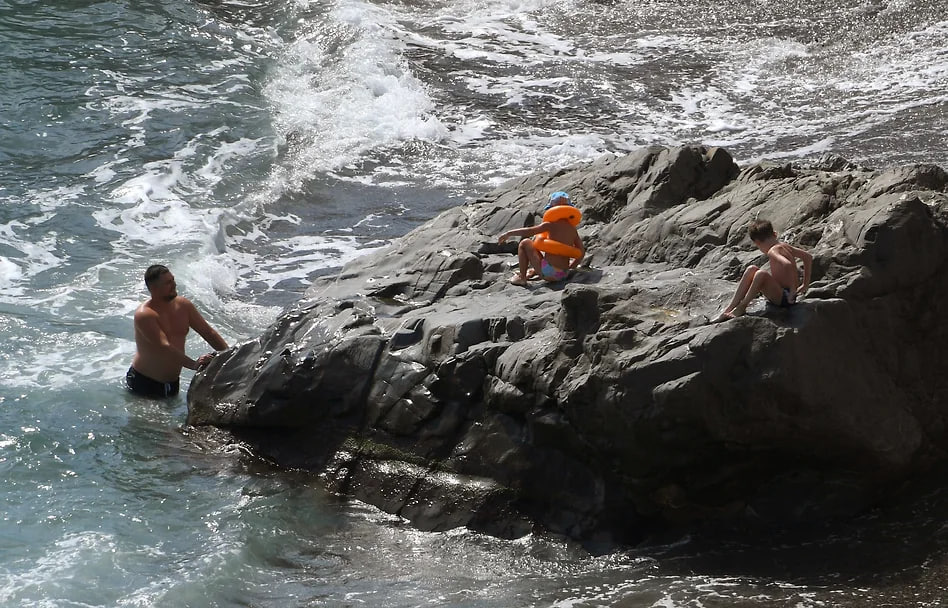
781 286
161 326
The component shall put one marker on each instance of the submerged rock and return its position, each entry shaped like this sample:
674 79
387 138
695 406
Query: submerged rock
419 380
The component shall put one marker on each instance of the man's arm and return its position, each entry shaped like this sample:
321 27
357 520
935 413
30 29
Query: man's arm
148 328
204 329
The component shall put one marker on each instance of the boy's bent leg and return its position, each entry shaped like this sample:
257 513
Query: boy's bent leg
527 255
743 286
533 257
763 283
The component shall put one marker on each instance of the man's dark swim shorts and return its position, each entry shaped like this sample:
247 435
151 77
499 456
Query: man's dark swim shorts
140 384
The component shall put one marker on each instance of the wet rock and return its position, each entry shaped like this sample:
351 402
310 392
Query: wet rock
419 380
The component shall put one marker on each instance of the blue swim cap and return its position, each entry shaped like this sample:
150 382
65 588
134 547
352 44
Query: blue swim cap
556 196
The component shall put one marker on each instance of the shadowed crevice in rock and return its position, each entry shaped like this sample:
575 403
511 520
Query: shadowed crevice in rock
607 407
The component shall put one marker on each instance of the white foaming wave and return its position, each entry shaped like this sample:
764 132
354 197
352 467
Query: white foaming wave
300 257
168 212
134 112
720 111
517 88
371 219
495 161
157 214
797 102
502 33
659 41
758 58
886 82
503 41
62 573
186 582
344 93
816 148
156 208
471 129
11 274
36 256
216 164
158 222
915 61
345 89
679 592
751 98
151 208
542 153
47 201
59 360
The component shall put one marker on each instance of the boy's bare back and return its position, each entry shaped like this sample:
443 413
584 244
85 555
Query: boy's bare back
783 266
563 232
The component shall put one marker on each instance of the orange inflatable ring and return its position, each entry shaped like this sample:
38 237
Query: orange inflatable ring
544 243
563 212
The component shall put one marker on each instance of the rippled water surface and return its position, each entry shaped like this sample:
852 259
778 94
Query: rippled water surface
255 145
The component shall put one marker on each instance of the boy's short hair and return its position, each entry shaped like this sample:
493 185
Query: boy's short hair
760 230
154 272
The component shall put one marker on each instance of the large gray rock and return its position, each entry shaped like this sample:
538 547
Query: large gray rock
419 380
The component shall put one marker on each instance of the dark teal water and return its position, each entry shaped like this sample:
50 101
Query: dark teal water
254 145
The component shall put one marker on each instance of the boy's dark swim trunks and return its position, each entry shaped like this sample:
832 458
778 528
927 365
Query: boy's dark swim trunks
788 298
140 384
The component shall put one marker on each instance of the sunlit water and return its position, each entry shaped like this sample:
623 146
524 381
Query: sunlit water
253 146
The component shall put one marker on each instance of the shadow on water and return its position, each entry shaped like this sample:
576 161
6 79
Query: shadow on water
897 545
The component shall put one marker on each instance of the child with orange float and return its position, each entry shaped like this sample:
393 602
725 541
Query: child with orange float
555 248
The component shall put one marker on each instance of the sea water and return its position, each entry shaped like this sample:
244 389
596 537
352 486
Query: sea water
255 145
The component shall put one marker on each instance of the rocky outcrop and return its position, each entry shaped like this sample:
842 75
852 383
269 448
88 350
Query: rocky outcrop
419 380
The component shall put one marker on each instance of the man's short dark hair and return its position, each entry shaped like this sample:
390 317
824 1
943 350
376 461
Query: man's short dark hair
760 230
153 273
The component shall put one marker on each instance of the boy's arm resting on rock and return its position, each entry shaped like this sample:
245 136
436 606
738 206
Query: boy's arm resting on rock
578 244
807 266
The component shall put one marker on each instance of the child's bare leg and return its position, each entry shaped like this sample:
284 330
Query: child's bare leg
535 260
743 286
527 255
763 283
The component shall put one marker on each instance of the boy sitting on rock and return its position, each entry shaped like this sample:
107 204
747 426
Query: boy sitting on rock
550 255
781 286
